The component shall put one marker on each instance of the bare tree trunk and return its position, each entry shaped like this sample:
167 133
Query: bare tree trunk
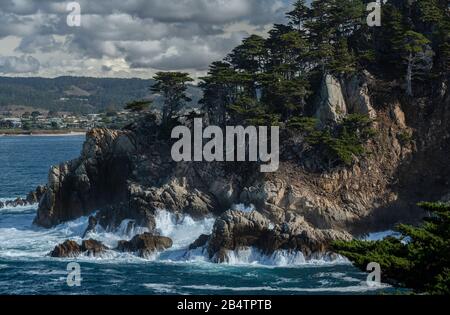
409 91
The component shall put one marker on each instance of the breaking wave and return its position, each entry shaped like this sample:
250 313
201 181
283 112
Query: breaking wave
19 238
16 209
281 258
182 229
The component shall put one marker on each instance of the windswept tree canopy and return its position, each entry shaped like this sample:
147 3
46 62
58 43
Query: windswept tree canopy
173 87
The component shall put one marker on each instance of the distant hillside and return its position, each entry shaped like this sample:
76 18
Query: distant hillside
77 94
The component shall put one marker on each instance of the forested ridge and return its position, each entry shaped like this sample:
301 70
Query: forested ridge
76 94
275 79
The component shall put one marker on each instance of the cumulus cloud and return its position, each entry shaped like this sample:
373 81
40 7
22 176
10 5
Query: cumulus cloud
139 35
23 64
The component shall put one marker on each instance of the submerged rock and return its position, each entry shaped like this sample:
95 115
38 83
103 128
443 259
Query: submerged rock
145 244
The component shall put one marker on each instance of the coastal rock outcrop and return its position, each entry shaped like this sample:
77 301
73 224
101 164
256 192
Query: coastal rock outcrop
68 249
33 197
71 249
129 175
236 230
145 244
36 195
201 241
93 248
99 176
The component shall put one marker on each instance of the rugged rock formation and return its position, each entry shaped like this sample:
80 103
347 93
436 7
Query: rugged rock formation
129 174
76 188
33 197
71 249
145 244
18 202
93 248
357 95
68 249
337 98
36 195
201 241
331 103
236 230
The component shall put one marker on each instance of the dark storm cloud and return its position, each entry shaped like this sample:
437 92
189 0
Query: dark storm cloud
157 34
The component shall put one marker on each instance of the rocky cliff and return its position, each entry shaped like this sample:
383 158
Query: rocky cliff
129 174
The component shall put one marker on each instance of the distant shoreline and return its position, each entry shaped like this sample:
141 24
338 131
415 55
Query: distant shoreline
6 133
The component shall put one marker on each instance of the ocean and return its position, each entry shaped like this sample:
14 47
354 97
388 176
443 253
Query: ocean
25 267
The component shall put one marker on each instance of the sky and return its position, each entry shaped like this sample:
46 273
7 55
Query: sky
127 38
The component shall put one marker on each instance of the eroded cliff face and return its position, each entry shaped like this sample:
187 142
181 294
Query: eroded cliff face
129 174
97 177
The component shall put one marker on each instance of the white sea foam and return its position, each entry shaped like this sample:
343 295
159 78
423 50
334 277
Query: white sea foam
183 230
280 258
10 209
160 287
110 237
19 238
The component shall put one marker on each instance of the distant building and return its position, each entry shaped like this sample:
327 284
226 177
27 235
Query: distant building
94 117
11 123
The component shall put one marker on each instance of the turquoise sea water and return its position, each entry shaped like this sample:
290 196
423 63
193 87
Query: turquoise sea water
25 268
